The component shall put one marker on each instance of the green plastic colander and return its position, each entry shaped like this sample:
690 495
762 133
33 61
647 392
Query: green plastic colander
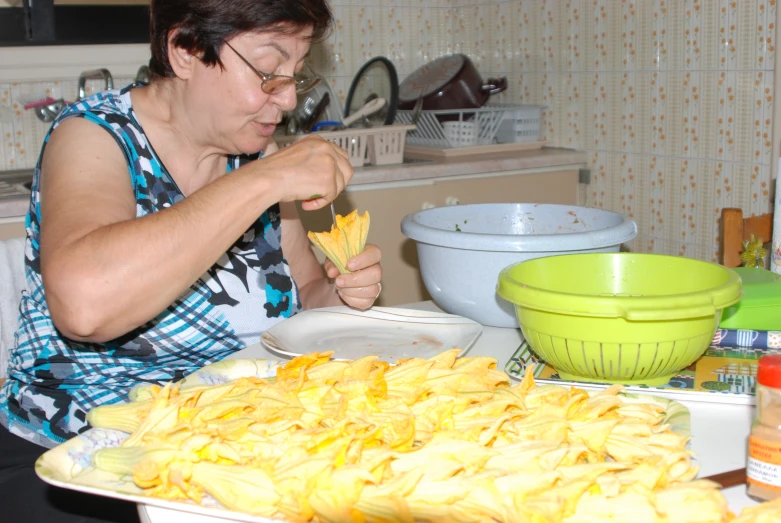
619 317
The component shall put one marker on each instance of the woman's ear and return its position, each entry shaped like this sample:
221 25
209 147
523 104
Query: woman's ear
182 62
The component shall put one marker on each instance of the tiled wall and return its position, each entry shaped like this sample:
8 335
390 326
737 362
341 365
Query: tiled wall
21 132
671 98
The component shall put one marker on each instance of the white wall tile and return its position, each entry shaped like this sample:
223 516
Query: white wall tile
672 99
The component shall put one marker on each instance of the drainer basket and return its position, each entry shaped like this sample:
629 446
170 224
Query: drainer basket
383 145
493 123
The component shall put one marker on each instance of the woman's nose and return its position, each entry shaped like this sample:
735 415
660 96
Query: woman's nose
286 99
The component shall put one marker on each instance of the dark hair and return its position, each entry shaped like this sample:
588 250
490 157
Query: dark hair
204 25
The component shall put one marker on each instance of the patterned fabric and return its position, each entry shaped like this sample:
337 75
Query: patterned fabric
54 381
747 338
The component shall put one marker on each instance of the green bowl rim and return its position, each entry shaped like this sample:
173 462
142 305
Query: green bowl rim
637 308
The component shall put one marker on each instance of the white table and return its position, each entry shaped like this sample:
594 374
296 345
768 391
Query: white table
719 431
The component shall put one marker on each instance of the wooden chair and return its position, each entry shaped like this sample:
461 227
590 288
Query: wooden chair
735 229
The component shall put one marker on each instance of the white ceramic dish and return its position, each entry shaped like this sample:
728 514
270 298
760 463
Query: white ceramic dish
388 332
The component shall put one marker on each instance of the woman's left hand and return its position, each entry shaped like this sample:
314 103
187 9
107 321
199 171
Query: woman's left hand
361 287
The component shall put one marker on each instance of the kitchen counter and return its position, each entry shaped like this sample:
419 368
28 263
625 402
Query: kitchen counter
14 195
370 176
719 431
534 160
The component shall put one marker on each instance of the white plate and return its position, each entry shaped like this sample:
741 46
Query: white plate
389 333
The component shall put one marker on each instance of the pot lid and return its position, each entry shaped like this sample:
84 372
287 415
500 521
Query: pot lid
431 77
376 78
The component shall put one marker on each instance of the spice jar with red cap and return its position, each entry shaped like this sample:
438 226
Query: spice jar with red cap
763 470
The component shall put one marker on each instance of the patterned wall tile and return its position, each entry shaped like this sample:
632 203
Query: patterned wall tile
642 16
630 190
747 102
528 36
672 99
7 158
395 20
769 27
626 26
370 35
748 46
704 121
573 119
675 39
551 36
599 94
501 35
627 111
599 36
703 26
339 48
727 29
571 14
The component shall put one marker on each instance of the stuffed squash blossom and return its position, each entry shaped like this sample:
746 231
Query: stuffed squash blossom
345 239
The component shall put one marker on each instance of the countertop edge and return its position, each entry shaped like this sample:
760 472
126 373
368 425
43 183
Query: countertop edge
14 209
545 158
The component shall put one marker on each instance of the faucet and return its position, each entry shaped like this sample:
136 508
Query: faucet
47 113
95 74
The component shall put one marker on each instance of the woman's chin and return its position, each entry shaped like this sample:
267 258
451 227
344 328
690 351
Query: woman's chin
253 146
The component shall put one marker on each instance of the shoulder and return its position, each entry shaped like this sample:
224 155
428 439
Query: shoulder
106 106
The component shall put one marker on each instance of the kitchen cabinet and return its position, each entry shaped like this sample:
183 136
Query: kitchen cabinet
71 22
12 229
388 203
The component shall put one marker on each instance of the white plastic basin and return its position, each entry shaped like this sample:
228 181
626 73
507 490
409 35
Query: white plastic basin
462 248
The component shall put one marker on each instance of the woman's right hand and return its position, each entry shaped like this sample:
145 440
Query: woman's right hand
312 170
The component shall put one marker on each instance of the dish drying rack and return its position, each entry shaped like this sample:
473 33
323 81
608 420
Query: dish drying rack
493 123
382 145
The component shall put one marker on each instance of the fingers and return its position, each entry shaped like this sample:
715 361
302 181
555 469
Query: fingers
361 283
339 173
362 297
330 269
371 255
362 287
343 169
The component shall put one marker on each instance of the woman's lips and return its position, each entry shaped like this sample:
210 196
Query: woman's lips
266 129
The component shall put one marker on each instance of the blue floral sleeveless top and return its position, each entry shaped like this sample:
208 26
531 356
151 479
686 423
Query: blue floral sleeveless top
54 381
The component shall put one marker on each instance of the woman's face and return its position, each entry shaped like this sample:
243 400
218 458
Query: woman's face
240 116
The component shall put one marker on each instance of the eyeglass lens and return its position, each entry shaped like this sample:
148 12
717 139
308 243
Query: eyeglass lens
277 84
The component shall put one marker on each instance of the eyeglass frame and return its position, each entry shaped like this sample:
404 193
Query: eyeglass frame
265 77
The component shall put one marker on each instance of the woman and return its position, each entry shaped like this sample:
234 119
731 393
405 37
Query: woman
158 241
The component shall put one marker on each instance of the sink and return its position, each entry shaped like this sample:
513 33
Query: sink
15 184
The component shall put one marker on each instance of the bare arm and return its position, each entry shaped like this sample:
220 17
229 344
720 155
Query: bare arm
315 288
106 272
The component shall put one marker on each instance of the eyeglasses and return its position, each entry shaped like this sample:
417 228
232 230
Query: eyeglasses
276 83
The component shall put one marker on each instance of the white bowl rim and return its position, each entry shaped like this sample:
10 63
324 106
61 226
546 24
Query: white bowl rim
559 242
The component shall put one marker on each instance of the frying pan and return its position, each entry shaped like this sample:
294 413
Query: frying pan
450 82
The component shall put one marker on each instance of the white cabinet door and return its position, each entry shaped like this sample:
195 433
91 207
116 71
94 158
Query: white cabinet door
12 229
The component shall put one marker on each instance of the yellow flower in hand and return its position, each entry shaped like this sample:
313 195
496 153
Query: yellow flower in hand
753 252
346 239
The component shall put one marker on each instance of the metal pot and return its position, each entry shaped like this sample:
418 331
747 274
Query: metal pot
451 82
